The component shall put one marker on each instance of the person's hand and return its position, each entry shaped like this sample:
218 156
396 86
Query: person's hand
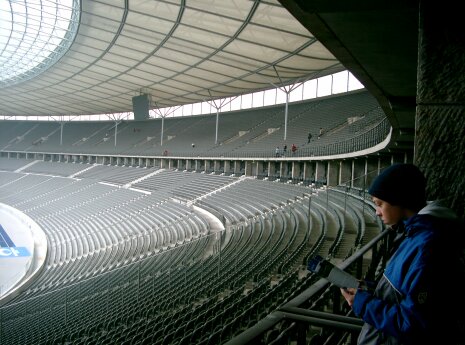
349 295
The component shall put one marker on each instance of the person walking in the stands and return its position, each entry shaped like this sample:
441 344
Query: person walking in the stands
418 298
293 149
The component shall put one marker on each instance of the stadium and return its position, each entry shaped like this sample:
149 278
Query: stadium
149 188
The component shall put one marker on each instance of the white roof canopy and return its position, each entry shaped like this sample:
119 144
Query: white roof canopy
179 52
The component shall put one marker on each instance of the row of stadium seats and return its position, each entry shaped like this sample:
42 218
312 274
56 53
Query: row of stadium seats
239 133
200 287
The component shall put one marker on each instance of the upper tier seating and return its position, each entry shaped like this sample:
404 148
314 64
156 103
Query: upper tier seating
351 120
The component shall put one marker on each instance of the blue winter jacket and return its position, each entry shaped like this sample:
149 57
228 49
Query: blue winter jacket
416 300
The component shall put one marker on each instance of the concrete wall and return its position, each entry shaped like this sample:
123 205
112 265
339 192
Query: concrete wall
440 114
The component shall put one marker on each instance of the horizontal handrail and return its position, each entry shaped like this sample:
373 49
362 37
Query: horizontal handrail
291 309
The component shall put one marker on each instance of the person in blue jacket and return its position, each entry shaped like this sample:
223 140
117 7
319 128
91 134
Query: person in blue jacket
418 299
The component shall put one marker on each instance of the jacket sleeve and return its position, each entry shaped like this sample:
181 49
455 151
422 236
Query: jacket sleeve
407 298
403 317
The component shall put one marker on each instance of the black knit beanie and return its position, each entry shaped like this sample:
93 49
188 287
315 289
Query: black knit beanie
401 184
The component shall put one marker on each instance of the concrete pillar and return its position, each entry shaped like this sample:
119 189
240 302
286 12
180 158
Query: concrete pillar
237 167
207 165
321 172
345 173
249 168
296 170
217 166
333 173
164 163
283 170
271 169
373 169
259 170
309 171
440 120
398 158
358 172
227 167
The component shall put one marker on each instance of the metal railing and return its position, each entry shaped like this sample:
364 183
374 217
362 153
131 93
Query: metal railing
298 311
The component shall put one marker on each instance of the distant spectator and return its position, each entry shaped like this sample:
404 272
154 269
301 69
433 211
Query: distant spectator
293 149
284 149
309 137
277 151
193 145
320 133
165 153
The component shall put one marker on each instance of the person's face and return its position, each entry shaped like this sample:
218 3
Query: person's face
388 213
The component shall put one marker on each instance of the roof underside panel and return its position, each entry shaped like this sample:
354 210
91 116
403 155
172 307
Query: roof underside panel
178 52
